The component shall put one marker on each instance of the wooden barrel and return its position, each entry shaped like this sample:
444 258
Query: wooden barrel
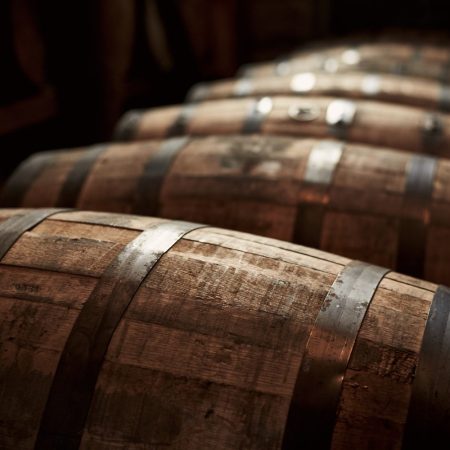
389 208
356 85
435 65
367 122
129 332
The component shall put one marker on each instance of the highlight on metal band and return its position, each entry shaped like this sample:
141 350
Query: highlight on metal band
76 178
428 422
322 162
261 108
243 87
127 126
371 85
75 379
313 410
303 82
149 187
283 68
351 57
13 228
340 114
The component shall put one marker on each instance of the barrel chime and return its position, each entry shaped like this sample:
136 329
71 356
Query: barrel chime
267 292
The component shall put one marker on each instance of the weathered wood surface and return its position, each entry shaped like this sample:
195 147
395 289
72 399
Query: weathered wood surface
385 88
351 200
208 352
421 61
361 121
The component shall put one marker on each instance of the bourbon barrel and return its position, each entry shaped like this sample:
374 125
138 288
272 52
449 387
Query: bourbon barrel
130 332
368 122
409 60
386 207
410 91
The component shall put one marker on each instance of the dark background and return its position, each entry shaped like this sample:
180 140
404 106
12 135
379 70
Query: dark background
69 69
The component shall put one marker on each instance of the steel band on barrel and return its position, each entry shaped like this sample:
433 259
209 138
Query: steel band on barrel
81 361
23 178
432 132
428 422
13 228
320 169
127 126
198 93
313 409
444 98
258 113
146 201
411 251
70 191
179 127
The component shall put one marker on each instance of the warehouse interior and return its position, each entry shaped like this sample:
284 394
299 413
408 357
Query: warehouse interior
70 71
224 224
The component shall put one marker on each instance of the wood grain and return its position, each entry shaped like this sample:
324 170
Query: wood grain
258 185
208 351
374 123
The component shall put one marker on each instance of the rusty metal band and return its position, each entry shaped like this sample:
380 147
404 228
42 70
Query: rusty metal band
178 128
444 98
259 111
315 400
127 126
320 169
428 422
198 93
81 361
412 241
13 228
23 178
76 178
146 201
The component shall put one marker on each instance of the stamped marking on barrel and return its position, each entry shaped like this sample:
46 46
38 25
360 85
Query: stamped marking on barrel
81 361
315 400
428 422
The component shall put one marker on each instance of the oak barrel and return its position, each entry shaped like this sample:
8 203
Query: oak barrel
433 63
386 207
129 332
368 122
410 91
